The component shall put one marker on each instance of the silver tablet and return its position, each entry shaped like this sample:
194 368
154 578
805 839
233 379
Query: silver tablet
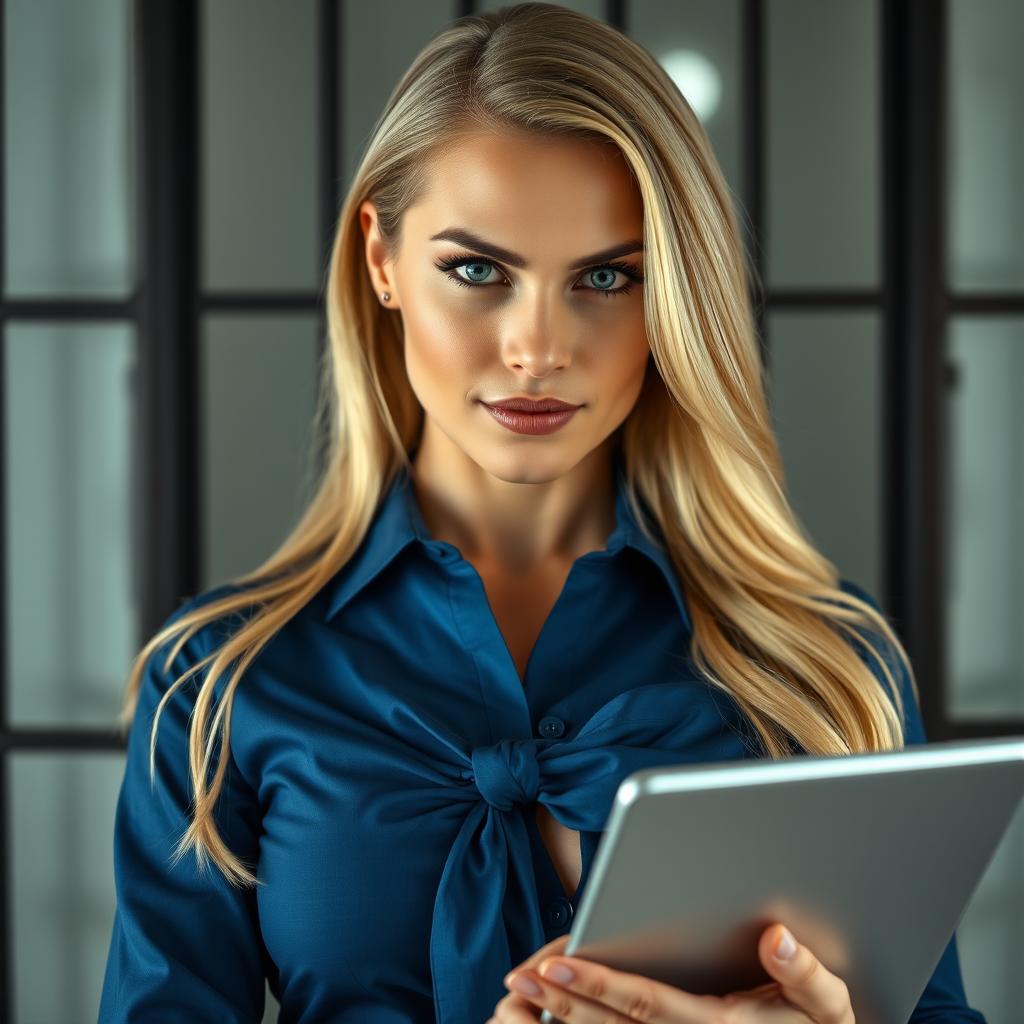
870 860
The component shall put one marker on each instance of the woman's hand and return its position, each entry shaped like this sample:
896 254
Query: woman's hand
803 992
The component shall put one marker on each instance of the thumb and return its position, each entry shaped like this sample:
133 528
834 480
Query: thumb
552 948
803 979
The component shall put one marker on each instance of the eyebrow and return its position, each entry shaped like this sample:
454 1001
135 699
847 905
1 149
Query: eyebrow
463 237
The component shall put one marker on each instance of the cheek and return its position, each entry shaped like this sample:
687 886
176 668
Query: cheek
444 353
619 365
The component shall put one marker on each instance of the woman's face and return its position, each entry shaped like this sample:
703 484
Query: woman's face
541 318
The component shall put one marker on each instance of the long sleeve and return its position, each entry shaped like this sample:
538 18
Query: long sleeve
186 945
943 1000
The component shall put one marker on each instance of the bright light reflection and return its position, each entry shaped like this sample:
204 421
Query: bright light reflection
697 78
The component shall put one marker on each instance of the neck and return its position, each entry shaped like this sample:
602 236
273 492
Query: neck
514 525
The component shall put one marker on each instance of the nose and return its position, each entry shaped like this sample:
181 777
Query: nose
537 366
507 773
539 339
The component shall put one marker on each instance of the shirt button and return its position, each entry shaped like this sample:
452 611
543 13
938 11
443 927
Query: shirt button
558 912
551 727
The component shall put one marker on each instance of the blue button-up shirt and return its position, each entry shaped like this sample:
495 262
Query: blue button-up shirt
385 757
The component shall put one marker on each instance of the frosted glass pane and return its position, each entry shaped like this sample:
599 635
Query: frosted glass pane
69 148
823 149
698 44
826 403
985 601
986 144
990 936
595 8
260 165
272 1009
63 899
259 394
377 43
72 615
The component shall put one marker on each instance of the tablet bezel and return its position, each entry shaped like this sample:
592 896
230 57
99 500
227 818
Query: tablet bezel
691 777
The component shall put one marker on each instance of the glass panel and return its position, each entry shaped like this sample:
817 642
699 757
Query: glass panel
63 881
72 617
68 149
990 936
272 1009
823 152
377 43
698 44
826 403
985 154
985 602
260 182
259 395
595 8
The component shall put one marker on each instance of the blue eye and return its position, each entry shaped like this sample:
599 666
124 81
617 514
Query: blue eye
478 270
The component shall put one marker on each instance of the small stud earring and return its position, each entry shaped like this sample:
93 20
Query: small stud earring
385 296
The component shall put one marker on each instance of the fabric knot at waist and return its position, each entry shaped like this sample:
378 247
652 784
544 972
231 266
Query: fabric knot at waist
507 773
487 911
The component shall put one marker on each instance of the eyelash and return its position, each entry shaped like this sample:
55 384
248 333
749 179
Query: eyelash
631 270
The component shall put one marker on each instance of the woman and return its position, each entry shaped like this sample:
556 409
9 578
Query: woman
403 732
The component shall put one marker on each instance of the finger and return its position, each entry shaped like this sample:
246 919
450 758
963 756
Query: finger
514 1009
565 1005
549 949
765 1008
760 990
804 980
594 988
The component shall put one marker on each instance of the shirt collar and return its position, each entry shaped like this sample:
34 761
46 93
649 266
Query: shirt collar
399 523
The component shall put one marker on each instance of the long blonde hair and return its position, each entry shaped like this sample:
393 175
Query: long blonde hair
771 623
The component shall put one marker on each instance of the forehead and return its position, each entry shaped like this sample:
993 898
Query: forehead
534 194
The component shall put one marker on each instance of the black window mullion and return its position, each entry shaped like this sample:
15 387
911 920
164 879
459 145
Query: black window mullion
914 240
754 106
169 410
330 184
6 914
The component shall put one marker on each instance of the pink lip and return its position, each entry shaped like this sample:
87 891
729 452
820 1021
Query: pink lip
531 422
533 405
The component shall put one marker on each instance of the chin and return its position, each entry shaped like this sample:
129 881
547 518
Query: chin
520 465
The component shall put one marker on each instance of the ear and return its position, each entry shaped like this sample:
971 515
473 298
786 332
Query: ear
378 261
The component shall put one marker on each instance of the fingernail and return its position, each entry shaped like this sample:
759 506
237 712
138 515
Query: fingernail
562 973
786 947
525 986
